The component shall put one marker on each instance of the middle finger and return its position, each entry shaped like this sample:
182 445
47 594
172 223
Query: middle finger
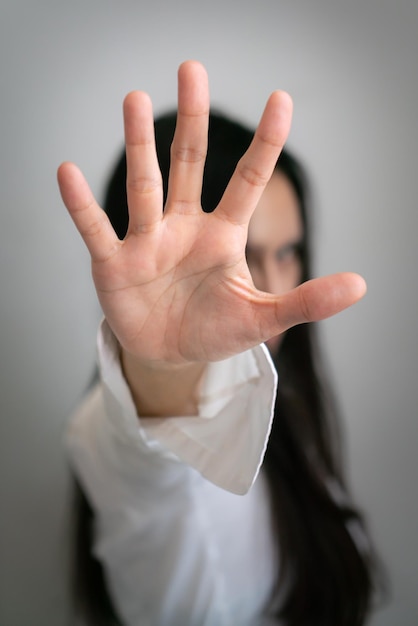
188 150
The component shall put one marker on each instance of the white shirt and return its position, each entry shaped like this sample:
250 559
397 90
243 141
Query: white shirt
182 514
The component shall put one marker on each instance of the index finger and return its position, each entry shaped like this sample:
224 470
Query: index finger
255 168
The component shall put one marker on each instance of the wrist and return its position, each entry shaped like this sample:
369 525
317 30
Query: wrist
162 389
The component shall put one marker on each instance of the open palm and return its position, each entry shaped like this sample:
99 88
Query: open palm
177 288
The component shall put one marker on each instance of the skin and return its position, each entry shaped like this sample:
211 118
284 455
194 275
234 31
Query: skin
275 230
177 291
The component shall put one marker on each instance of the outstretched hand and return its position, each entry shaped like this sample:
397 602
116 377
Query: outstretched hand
177 289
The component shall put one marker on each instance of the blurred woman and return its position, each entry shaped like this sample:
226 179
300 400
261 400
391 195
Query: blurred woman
204 497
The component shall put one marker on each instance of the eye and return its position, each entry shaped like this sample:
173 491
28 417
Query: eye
253 258
288 253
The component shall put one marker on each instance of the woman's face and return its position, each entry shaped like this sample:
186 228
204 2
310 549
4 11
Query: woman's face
274 236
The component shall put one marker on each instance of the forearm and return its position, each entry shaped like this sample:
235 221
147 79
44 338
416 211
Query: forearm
162 390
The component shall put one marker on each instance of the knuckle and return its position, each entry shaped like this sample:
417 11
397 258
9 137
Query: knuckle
270 141
252 176
143 228
143 184
93 229
304 305
185 207
188 154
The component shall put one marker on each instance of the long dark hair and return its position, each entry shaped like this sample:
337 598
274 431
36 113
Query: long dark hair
326 575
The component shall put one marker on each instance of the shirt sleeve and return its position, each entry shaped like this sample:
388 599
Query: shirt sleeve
146 477
226 441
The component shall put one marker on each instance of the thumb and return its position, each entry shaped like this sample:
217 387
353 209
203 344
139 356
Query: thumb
316 300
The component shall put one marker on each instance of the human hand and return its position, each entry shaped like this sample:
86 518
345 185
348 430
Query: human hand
177 289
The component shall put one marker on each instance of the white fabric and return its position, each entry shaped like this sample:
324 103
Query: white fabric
182 513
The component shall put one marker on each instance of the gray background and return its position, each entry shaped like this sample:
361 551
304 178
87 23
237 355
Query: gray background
351 68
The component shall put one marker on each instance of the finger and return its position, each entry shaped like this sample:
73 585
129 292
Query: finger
312 301
188 150
255 168
143 182
91 221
